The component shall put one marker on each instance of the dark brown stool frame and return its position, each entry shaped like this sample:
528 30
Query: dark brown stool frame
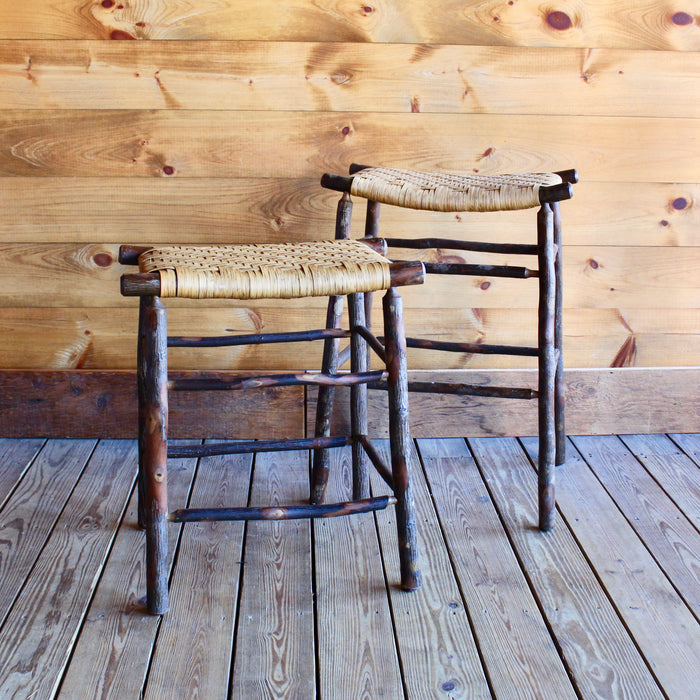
550 392
154 386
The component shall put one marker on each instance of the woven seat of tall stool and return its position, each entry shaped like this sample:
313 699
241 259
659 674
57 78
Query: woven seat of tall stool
274 271
466 192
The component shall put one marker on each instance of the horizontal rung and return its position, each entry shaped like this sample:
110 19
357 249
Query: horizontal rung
479 270
296 379
248 446
474 246
256 338
294 512
481 348
464 390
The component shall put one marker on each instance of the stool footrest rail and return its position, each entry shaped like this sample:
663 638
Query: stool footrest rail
248 446
293 512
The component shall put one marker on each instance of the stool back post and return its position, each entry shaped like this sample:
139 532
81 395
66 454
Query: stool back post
153 448
547 367
329 365
371 231
559 386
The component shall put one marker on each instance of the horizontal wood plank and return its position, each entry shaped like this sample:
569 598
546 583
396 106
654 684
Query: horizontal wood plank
208 143
606 277
251 210
525 23
270 75
48 338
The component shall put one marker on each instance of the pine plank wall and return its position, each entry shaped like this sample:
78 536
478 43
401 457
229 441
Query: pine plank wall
147 121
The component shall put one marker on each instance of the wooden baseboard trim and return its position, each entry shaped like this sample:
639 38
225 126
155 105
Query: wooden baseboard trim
599 402
101 404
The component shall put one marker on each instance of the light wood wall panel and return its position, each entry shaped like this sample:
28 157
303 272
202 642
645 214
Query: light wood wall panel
221 133
657 24
264 75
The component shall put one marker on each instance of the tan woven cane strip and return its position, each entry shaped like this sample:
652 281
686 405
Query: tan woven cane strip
267 271
451 192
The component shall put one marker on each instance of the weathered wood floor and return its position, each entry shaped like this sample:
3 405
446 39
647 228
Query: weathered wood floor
607 605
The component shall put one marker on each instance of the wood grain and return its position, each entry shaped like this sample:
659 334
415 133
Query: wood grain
526 23
250 210
507 624
18 456
598 649
609 277
40 629
29 516
668 534
117 637
103 404
435 640
95 338
272 75
672 469
204 589
351 594
206 143
275 655
599 402
644 597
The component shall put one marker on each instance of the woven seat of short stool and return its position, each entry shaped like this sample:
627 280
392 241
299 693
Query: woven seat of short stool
468 192
273 271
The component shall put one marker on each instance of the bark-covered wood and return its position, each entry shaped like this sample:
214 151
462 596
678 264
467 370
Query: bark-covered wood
153 448
547 366
400 439
282 512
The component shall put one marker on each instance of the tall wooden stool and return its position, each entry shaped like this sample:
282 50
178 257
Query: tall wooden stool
498 193
279 271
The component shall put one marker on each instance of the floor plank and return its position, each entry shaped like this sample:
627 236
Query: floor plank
645 600
30 514
17 456
598 650
275 654
439 655
668 535
357 654
117 637
671 468
39 632
518 651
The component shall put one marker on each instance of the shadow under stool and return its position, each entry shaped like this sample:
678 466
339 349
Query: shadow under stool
455 192
276 271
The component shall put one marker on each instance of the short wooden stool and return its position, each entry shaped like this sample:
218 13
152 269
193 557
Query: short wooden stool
279 271
466 192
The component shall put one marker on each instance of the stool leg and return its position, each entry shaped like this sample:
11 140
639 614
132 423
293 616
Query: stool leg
547 367
400 438
359 362
153 425
559 388
329 365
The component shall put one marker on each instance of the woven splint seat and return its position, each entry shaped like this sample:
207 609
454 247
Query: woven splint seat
271 271
451 192
468 192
